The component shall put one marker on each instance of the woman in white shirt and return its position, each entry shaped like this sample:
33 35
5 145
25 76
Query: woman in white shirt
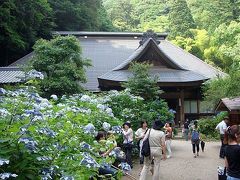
128 142
139 134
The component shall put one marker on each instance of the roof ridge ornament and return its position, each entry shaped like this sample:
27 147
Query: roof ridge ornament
147 35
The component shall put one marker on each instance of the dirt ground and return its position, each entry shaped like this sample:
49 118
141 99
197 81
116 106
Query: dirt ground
183 166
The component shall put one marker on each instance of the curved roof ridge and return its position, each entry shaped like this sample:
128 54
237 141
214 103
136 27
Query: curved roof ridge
140 50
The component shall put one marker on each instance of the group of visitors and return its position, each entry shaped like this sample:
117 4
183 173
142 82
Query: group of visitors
230 148
160 137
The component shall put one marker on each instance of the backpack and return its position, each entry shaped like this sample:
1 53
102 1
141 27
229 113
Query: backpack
195 135
145 151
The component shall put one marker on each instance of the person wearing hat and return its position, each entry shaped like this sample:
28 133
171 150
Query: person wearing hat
128 142
158 150
222 126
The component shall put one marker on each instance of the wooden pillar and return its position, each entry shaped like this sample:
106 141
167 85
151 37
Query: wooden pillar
181 107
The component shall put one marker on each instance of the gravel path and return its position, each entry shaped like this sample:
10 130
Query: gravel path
183 166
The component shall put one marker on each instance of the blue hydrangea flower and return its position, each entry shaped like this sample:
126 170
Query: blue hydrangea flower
47 132
44 158
117 129
48 173
117 152
30 144
88 161
125 166
89 129
85 145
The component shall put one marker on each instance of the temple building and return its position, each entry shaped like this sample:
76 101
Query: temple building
180 73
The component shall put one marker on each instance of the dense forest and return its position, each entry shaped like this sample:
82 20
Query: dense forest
208 29
23 22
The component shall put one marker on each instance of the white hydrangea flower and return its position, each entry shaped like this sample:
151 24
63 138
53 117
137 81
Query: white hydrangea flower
4 112
54 97
85 98
4 161
7 175
106 126
2 91
109 110
101 107
33 74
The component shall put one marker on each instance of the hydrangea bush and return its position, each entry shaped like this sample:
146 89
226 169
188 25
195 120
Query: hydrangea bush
132 108
52 139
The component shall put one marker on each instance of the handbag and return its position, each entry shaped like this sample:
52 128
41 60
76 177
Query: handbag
146 147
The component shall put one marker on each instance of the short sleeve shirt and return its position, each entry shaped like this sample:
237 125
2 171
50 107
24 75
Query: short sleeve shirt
232 153
156 138
140 132
222 126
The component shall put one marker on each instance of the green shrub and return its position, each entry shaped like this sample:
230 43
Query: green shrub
207 126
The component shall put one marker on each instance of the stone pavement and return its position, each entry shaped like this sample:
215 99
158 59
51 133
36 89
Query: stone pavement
183 166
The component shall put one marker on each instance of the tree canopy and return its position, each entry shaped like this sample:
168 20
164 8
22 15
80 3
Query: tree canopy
61 61
141 83
23 22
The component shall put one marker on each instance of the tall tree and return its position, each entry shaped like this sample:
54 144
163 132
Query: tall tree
210 14
180 19
77 15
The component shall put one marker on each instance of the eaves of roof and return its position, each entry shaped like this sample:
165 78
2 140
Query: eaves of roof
141 50
11 75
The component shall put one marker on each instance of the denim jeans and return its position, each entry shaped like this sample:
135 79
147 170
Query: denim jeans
186 132
232 178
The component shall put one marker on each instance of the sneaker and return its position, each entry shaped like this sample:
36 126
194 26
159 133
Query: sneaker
194 156
197 154
168 156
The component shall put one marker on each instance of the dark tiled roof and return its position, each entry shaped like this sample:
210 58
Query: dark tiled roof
106 34
163 74
189 61
109 50
10 75
23 61
230 104
141 50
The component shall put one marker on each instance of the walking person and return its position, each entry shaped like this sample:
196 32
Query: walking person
186 129
128 142
158 150
195 139
232 152
139 134
222 126
168 139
